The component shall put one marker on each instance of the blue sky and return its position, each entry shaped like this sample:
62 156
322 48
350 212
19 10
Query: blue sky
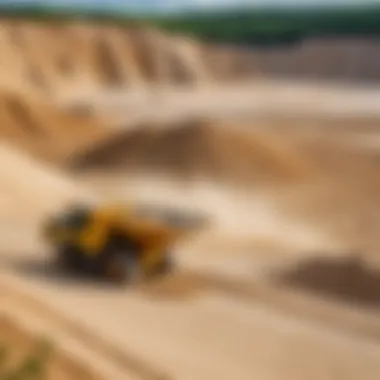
167 5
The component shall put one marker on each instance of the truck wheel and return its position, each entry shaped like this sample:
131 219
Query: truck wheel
67 259
124 267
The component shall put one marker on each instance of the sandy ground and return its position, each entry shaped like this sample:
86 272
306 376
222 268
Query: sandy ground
21 344
186 337
220 316
183 327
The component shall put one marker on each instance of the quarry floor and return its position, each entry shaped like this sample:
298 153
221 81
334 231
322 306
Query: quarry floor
222 316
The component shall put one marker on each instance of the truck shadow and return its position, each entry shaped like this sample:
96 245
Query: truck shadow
348 279
45 270
174 287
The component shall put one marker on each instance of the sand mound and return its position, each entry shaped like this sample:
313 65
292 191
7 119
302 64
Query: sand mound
43 128
348 279
199 150
47 57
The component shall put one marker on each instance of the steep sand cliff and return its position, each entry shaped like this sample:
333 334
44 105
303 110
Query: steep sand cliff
42 61
45 58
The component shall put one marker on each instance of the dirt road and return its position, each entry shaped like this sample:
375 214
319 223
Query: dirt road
259 98
189 327
202 333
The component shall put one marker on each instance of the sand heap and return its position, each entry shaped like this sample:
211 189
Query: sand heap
48 57
199 150
43 128
347 278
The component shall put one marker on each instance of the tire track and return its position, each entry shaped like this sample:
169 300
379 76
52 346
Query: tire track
327 315
126 361
355 322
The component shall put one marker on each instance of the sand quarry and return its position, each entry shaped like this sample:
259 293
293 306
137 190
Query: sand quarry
284 284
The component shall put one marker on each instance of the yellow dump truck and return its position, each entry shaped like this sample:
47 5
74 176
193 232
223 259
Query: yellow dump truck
117 242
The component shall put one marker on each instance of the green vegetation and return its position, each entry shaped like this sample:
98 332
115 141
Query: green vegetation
240 26
277 26
33 367
43 13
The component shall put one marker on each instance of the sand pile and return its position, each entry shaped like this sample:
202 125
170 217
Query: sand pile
348 279
44 129
199 150
45 58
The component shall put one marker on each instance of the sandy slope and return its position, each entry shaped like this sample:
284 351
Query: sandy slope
191 327
21 343
207 335
200 151
38 69
30 190
38 57
45 129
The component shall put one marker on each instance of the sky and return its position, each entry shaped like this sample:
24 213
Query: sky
170 5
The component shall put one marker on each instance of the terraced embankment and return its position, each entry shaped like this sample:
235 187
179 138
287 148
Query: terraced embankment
38 57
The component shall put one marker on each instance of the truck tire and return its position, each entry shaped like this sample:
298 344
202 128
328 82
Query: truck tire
124 267
68 260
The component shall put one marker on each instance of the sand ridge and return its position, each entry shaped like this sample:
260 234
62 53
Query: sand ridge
200 150
38 57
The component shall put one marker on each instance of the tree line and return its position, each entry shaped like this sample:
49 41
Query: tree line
237 27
